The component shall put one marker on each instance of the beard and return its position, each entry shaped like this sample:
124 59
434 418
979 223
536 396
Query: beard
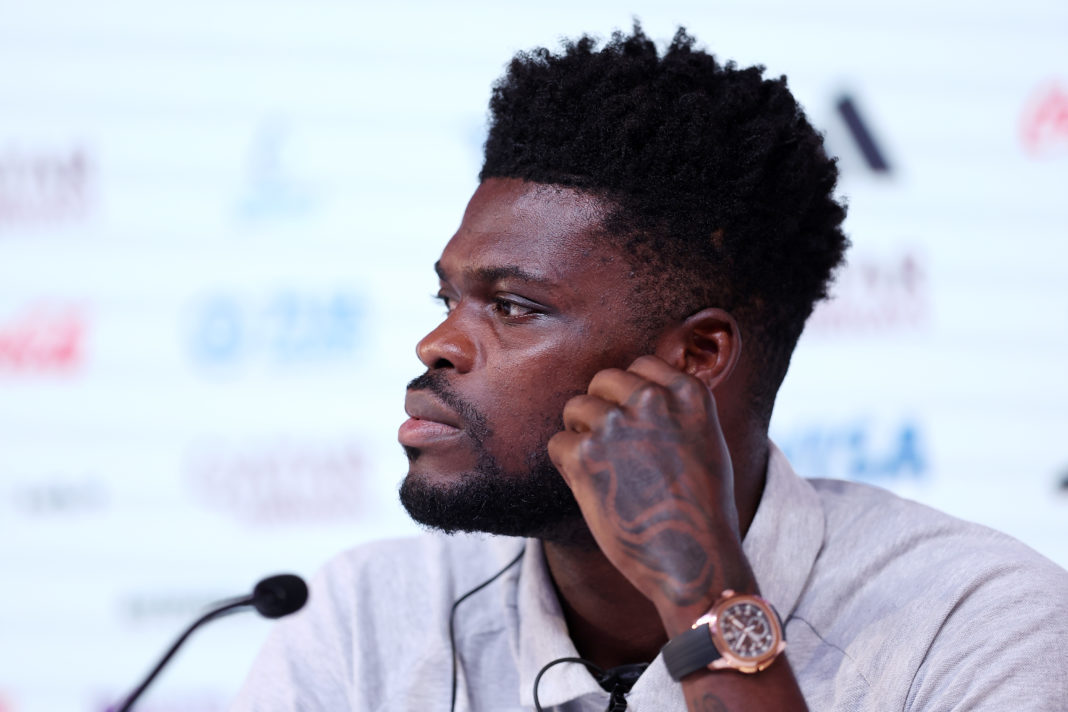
533 503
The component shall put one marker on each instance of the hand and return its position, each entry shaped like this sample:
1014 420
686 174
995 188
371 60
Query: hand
645 456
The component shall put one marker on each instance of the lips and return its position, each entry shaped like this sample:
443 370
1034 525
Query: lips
429 421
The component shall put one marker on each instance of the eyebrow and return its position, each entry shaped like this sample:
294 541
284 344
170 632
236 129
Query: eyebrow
494 274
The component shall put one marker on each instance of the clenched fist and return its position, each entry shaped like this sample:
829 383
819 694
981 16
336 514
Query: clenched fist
645 456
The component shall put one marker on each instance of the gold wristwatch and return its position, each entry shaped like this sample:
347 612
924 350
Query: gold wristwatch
740 632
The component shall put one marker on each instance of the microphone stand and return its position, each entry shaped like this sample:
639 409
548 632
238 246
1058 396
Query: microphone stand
227 607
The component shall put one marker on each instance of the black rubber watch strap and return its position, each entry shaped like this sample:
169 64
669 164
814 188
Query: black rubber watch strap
689 652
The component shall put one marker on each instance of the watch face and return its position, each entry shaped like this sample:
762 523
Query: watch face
746 629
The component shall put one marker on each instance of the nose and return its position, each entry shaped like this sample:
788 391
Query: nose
447 346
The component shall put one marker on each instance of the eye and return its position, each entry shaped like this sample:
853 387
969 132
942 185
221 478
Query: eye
512 309
445 300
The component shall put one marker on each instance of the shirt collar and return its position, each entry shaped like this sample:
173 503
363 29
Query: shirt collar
786 534
543 638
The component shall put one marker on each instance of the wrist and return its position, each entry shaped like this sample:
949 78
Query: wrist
678 617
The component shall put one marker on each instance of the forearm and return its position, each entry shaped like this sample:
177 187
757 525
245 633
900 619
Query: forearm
727 690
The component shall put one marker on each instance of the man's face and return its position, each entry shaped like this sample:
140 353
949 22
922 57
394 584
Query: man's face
536 305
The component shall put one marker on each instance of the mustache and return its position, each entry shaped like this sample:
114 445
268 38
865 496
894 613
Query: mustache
437 383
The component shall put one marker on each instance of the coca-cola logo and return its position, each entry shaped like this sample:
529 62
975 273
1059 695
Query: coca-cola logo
40 185
43 338
875 294
280 480
1044 122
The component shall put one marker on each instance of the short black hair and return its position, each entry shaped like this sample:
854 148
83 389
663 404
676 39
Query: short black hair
718 182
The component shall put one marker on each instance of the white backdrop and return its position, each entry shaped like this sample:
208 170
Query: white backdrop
217 226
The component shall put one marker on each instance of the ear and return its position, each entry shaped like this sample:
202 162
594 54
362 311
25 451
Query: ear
707 345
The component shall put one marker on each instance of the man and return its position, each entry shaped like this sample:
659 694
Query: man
622 298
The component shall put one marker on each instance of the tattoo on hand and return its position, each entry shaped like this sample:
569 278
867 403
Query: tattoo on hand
657 511
710 703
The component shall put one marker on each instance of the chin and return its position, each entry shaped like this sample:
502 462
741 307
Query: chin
538 504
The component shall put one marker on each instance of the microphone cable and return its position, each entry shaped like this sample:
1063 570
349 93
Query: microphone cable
616 681
452 618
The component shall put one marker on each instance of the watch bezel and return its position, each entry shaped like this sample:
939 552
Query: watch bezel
728 658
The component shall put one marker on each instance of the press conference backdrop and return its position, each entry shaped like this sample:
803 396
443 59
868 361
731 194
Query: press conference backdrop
217 226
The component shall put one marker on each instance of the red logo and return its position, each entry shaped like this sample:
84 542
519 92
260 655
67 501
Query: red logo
39 186
875 295
44 338
1044 125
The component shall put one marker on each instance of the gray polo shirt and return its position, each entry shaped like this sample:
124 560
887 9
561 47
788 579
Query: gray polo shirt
889 605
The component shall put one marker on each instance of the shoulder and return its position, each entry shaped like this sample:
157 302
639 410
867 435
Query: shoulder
920 603
376 623
881 533
441 563
403 582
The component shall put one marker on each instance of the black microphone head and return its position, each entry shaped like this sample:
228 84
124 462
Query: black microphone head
277 596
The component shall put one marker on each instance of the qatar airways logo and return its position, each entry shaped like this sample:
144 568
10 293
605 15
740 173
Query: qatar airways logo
280 480
42 338
1044 122
39 185
876 294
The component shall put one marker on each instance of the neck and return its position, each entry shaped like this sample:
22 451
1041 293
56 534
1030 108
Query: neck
610 621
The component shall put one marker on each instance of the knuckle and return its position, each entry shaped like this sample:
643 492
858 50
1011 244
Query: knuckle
684 385
612 421
646 394
590 450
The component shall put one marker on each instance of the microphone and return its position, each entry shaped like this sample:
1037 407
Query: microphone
273 597
277 596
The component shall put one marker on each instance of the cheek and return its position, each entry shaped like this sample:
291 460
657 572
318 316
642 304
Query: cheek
526 392
523 415
527 412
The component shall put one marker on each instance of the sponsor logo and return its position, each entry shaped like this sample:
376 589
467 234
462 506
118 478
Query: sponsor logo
43 338
59 497
44 186
279 481
862 135
150 607
284 328
858 450
272 191
874 295
1044 122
